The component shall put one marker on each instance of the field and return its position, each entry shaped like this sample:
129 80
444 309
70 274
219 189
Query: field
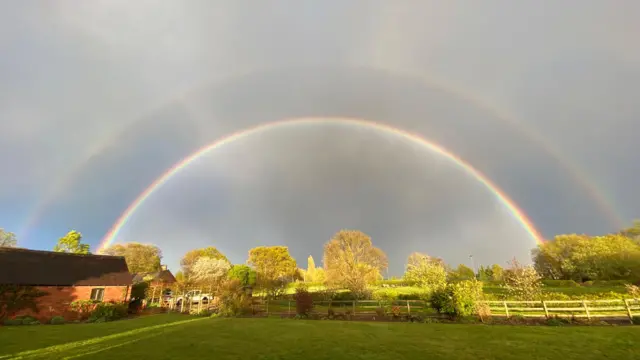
173 336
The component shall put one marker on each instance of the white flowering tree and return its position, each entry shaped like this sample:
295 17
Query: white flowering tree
210 271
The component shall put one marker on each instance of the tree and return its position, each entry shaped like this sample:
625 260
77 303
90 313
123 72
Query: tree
633 232
496 272
427 273
352 262
583 258
243 273
179 276
140 258
319 275
274 268
462 272
417 258
209 271
180 284
72 243
522 282
484 273
190 258
7 239
309 274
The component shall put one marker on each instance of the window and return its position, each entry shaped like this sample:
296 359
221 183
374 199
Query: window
97 294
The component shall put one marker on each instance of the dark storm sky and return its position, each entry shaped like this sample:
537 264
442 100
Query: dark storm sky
98 99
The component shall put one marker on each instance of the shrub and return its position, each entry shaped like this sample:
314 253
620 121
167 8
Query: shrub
396 311
560 283
608 283
522 282
380 312
57 320
12 322
557 321
108 312
385 294
14 298
21 320
203 313
635 320
233 300
633 291
304 302
344 296
427 273
555 296
458 299
331 314
391 283
83 307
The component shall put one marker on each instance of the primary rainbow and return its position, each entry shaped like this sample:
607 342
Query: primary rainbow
518 214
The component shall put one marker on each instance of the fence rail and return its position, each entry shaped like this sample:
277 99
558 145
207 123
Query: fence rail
614 308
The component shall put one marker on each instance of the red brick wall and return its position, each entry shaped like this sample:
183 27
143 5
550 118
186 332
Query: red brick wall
58 299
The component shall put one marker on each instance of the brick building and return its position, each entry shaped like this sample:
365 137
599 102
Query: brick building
65 278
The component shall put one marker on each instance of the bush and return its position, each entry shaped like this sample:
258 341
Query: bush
557 321
108 312
380 312
522 282
458 299
203 313
385 294
560 283
58 320
395 283
233 300
12 322
635 320
83 308
633 291
344 296
304 302
14 298
607 283
395 311
555 296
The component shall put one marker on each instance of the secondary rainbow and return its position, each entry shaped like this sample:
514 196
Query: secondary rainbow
605 203
518 214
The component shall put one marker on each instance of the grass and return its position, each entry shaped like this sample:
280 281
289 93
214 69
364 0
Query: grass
168 337
15 339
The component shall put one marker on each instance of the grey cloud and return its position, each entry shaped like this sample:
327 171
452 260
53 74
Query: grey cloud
98 99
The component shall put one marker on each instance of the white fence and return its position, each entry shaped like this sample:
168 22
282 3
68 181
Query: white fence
614 308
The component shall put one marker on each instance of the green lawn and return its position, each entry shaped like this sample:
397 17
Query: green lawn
181 337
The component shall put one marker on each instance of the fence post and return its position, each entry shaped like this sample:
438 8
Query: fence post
586 309
408 307
546 311
506 308
626 304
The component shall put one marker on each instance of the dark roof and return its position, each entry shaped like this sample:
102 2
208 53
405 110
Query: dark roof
164 276
47 268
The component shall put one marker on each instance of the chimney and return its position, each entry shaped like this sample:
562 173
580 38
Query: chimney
163 267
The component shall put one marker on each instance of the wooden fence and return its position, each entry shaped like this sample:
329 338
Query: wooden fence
615 308
342 307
